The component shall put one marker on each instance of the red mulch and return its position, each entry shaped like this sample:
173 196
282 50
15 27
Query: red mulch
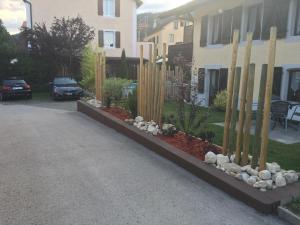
194 147
120 113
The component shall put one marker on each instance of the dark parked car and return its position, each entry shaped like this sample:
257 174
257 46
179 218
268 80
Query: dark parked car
12 88
65 88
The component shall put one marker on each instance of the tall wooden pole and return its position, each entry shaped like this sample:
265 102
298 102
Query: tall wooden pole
103 76
162 84
259 116
234 106
139 79
268 98
243 90
230 90
248 119
97 77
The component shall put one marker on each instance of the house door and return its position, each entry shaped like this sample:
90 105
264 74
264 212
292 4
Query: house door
218 82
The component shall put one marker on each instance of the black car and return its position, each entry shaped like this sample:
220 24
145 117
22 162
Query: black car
12 88
65 88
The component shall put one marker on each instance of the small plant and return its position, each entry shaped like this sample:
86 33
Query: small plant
132 103
169 128
220 101
113 90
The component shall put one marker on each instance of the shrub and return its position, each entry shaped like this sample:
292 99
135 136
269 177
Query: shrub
88 63
113 90
220 101
132 103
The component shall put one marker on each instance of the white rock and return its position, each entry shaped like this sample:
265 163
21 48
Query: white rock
273 167
210 158
260 184
291 177
263 189
252 172
280 181
245 168
251 180
232 157
245 177
151 128
239 176
232 167
95 103
276 175
221 159
139 119
129 121
265 175
269 184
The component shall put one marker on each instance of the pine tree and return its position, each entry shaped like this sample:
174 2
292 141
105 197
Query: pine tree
124 66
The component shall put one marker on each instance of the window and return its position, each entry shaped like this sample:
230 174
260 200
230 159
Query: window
109 7
294 86
254 19
218 82
297 22
216 29
171 38
176 25
109 39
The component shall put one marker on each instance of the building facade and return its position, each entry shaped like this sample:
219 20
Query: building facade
114 21
214 23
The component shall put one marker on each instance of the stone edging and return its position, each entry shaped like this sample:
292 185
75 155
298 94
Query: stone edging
288 216
265 202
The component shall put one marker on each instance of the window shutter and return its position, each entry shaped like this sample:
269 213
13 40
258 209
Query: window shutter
236 20
118 39
100 7
101 38
203 35
226 27
118 8
201 80
277 81
275 14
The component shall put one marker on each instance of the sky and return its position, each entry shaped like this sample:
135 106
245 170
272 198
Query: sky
12 12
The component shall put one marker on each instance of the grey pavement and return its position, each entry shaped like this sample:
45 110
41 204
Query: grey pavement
58 167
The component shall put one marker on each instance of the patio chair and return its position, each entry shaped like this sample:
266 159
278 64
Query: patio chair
295 114
279 113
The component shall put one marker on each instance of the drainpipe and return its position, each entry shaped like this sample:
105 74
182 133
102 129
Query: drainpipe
30 7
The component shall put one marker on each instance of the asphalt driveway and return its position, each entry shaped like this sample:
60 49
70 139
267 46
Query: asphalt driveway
58 167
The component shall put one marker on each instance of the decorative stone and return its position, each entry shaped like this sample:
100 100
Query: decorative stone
265 175
252 180
252 172
245 168
239 176
291 177
232 167
232 157
210 158
269 184
273 167
169 129
95 103
221 159
245 177
139 119
263 189
276 175
260 184
280 181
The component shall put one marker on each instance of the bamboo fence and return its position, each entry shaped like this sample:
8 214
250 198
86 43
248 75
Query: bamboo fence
100 75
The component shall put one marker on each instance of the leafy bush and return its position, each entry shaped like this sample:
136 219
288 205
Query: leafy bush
88 63
132 103
220 101
113 90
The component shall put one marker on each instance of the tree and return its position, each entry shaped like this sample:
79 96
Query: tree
88 63
124 73
63 43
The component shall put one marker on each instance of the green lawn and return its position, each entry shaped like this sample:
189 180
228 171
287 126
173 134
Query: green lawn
288 156
294 206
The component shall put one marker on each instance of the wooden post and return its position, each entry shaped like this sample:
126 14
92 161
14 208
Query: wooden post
235 99
139 79
243 91
97 77
154 82
103 76
259 116
148 96
268 98
230 90
248 119
162 84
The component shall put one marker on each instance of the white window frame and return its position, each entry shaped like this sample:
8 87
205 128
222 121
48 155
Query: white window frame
114 41
171 38
113 9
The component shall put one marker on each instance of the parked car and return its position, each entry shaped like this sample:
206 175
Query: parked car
12 88
65 88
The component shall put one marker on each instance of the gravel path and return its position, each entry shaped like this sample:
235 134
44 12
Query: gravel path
58 167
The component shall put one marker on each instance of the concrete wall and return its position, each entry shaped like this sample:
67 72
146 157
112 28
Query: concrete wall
46 10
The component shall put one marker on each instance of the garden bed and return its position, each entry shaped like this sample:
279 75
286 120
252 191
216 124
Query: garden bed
266 202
